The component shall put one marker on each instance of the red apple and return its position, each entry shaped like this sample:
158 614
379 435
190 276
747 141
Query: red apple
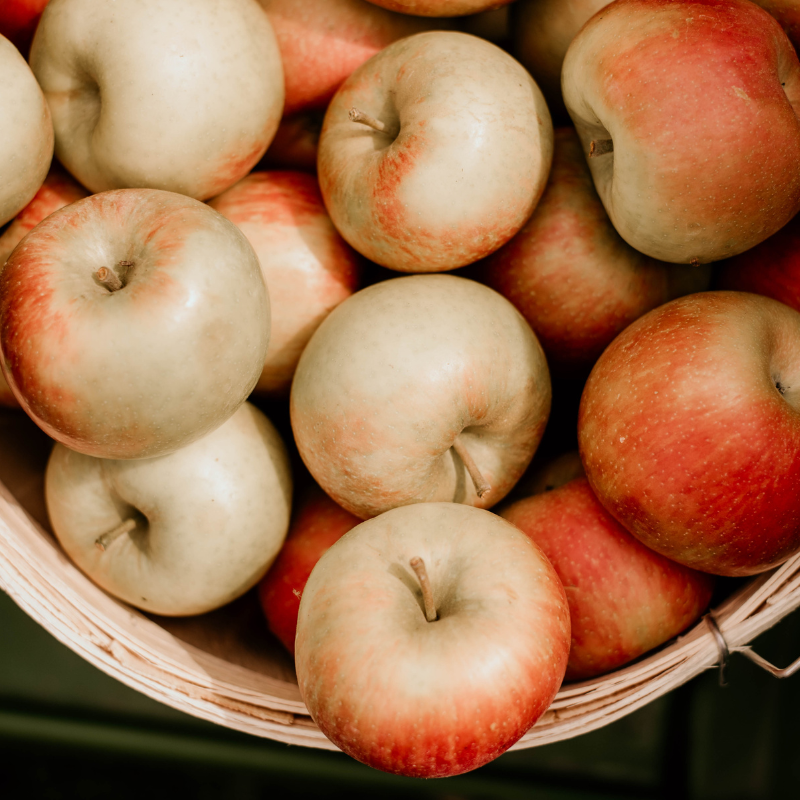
624 599
689 431
440 697
771 268
323 41
132 322
317 523
690 111
57 191
308 268
787 12
18 21
571 276
435 152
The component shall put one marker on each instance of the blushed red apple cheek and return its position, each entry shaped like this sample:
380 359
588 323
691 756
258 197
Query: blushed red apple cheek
234 166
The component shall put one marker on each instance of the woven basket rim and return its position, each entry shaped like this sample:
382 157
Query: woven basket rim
129 646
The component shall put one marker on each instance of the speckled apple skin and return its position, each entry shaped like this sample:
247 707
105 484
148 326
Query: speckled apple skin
431 699
686 439
26 133
307 266
183 96
624 599
465 171
399 371
146 369
572 276
211 516
317 524
702 167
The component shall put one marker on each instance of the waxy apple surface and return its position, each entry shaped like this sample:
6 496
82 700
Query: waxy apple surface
405 371
308 268
26 133
689 431
461 162
317 524
183 96
144 368
207 520
570 274
431 699
691 108
624 598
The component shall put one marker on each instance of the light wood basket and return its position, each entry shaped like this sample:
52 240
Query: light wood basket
224 667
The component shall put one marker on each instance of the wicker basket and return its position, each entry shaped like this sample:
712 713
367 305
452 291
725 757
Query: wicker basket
224 668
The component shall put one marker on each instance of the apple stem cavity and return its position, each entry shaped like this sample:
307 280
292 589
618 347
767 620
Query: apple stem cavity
356 115
418 565
599 147
481 484
109 279
103 542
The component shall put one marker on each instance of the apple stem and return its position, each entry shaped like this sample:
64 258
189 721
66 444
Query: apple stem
109 279
356 115
103 542
481 485
418 565
599 147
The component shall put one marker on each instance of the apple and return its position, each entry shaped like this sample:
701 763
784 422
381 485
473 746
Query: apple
542 31
132 322
624 599
435 152
787 12
771 268
430 639
440 8
26 133
323 41
689 431
307 266
295 143
57 191
690 170
182 533
18 21
317 523
183 96
418 389
570 274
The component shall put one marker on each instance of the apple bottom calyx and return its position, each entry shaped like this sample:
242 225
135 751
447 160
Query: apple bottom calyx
418 565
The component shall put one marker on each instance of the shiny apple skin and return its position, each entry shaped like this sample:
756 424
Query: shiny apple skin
688 441
308 268
465 171
571 275
704 167
183 96
323 41
26 133
211 517
624 599
431 699
317 524
400 371
146 369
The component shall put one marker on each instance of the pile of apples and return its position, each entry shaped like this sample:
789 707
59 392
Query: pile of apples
155 276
